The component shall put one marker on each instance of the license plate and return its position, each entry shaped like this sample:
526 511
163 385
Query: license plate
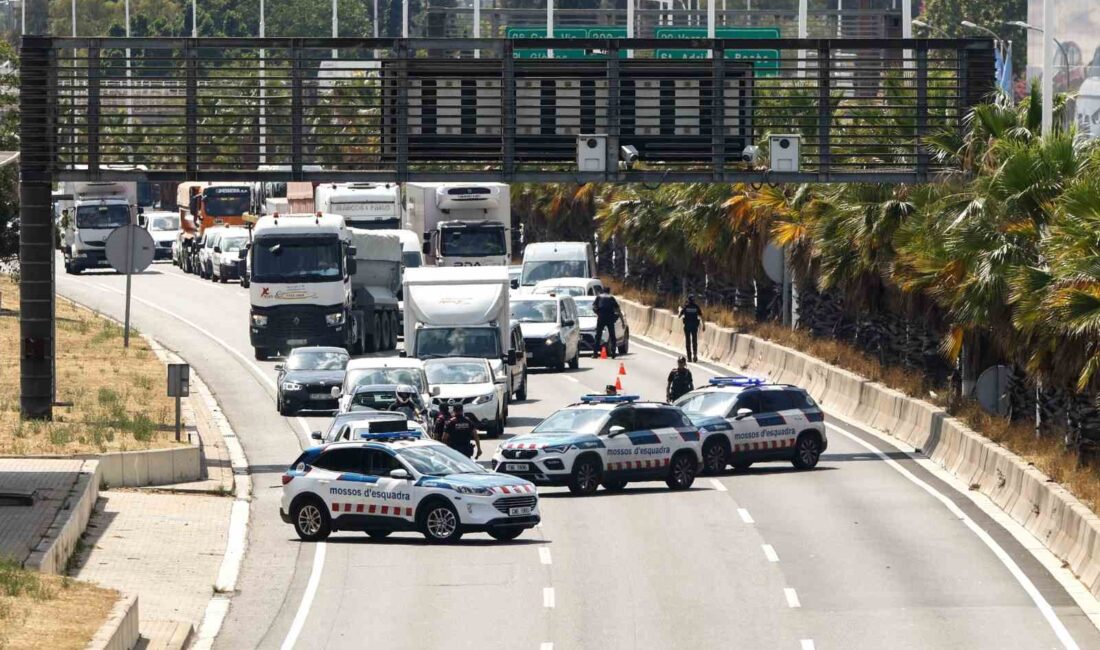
320 396
515 467
295 341
516 512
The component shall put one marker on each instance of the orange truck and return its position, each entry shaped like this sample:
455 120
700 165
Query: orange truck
203 206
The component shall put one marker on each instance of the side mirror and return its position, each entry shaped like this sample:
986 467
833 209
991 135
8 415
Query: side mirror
743 413
426 248
514 284
217 249
616 430
316 435
335 392
435 391
279 367
352 266
242 254
568 323
511 359
402 353
400 474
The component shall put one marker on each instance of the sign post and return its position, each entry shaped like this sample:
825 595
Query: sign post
130 250
179 385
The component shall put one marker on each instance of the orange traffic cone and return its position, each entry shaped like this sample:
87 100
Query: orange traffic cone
603 351
622 368
618 384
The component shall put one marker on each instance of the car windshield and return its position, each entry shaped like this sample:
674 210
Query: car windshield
437 342
584 308
579 420
377 400
230 244
472 241
535 311
102 216
562 291
226 201
534 272
449 372
317 360
280 259
437 460
164 223
709 403
369 376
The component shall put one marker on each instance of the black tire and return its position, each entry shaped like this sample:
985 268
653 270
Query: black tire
69 268
283 410
261 354
682 471
505 534
384 336
575 362
741 467
613 485
311 519
439 522
244 282
624 347
395 329
716 455
521 394
807 451
585 477
378 534
222 277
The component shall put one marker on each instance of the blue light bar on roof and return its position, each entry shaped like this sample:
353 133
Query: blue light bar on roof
390 436
741 382
597 398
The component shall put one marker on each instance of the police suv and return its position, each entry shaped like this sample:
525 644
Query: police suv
399 482
608 440
746 420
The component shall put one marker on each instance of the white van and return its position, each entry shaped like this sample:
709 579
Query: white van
561 259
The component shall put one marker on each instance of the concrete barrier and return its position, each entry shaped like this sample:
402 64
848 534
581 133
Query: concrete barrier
57 545
120 630
151 467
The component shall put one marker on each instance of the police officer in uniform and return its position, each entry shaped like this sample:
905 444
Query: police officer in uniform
460 433
607 312
692 315
441 421
680 382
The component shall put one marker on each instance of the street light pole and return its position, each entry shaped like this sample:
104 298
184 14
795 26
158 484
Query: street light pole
335 24
930 28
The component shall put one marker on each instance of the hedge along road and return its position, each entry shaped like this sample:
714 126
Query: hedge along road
850 555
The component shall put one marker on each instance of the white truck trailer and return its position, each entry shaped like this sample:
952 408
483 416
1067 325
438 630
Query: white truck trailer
369 206
88 217
457 312
314 281
463 224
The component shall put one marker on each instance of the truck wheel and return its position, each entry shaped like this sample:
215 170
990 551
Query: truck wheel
384 337
261 354
395 329
375 343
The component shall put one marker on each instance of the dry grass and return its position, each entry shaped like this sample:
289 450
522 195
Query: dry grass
118 395
48 611
1048 453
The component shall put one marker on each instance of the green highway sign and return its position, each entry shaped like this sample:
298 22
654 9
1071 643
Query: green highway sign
596 31
766 61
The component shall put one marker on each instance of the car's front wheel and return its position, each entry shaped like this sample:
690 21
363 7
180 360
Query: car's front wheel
439 523
681 472
715 457
585 477
311 520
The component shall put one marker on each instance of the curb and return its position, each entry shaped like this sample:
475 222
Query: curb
53 551
120 630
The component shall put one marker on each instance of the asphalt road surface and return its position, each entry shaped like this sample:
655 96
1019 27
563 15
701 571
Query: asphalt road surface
854 554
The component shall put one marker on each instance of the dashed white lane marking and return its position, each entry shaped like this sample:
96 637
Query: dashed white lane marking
548 597
717 485
807 644
307 598
572 379
745 516
769 552
792 597
544 555
547 646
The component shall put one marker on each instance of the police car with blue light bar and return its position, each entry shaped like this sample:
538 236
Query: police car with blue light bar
747 420
390 482
609 440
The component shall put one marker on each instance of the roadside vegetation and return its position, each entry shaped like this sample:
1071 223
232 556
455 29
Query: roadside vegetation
117 395
38 610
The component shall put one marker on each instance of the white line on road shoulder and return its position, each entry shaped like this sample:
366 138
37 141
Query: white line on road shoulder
745 516
546 646
769 552
548 597
807 644
792 597
717 485
544 555
307 598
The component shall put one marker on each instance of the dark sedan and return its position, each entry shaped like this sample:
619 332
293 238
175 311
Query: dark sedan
306 380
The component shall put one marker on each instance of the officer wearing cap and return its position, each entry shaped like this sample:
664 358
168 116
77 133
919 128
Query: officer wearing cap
680 381
692 315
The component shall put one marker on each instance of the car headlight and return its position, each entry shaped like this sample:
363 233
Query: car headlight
259 320
555 449
484 399
333 319
479 491
551 340
291 386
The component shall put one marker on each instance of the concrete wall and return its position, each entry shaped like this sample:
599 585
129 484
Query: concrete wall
152 467
57 545
120 630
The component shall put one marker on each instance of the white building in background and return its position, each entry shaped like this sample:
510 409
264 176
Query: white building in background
1077 61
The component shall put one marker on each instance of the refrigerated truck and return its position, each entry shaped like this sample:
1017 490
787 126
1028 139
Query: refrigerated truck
368 206
88 214
457 312
462 224
314 281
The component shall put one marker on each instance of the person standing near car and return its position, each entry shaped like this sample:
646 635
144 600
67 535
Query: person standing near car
680 381
692 315
440 422
607 312
461 434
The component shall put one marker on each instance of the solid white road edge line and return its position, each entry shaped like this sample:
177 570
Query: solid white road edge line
544 555
548 597
546 646
1044 607
807 644
717 485
769 552
318 557
792 597
745 516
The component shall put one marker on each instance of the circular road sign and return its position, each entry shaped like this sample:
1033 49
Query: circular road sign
141 246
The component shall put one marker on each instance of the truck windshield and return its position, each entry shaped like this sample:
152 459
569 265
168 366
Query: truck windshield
164 223
372 224
439 342
534 272
278 259
102 216
472 241
226 201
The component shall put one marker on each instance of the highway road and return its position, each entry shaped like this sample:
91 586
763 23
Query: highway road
859 553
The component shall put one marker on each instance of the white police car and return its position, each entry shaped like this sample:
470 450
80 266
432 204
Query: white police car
607 440
397 482
747 420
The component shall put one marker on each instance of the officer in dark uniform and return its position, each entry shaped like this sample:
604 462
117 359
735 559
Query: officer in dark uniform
692 315
441 421
607 312
460 433
680 382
